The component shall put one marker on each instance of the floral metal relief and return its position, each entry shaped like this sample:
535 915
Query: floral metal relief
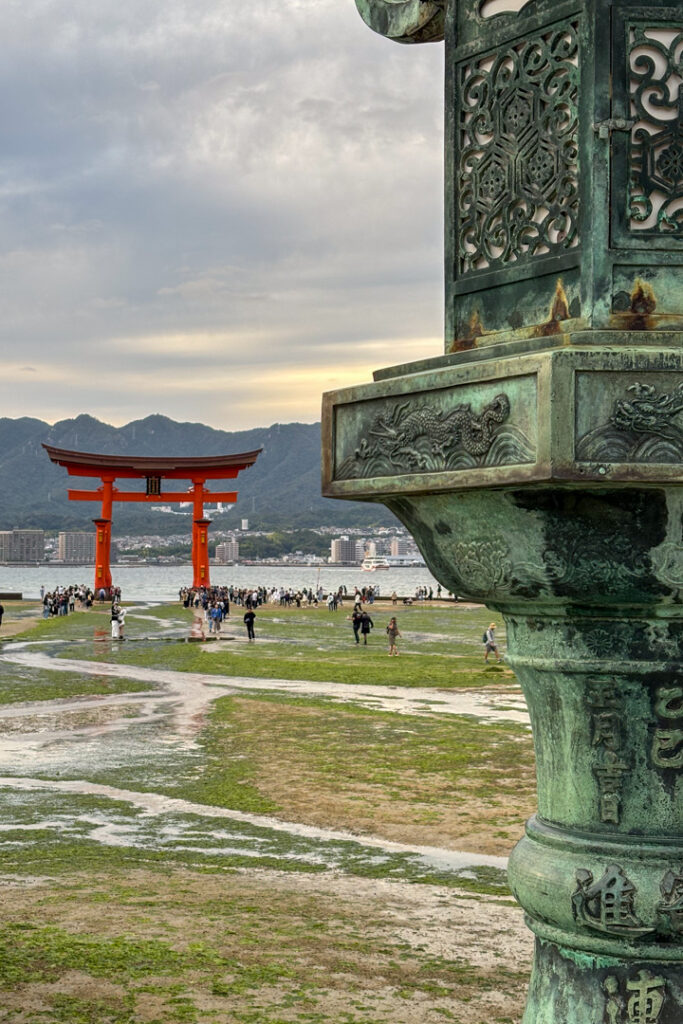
577 557
486 568
516 182
409 437
656 153
642 429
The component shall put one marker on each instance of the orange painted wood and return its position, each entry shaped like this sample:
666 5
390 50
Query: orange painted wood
228 497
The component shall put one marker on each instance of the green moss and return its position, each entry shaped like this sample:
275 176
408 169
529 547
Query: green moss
19 683
43 954
440 647
350 745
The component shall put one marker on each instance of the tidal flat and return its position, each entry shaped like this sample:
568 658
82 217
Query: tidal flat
296 830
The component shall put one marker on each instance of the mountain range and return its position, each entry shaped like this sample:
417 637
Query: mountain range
281 491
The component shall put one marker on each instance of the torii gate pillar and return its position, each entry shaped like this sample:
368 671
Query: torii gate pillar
538 461
103 580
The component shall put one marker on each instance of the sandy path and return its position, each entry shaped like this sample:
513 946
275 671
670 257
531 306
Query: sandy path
49 737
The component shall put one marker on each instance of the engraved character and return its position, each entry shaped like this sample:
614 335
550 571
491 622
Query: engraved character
672 902
608 904
609 808
667 748
602 696
606 730
669 703
645 1005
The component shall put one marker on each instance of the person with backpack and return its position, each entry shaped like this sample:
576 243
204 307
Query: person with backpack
489 641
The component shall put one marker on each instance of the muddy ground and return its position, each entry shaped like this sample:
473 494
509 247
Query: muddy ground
306 887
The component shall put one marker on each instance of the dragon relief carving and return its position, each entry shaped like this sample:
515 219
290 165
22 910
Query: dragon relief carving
408 438
640 430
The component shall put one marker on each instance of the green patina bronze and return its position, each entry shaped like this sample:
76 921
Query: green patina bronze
537 462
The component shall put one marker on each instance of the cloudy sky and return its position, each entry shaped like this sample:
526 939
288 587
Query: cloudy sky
212 209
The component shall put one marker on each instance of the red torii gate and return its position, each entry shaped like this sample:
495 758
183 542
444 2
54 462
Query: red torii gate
110 467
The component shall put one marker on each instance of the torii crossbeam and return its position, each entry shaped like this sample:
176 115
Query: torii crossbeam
109 468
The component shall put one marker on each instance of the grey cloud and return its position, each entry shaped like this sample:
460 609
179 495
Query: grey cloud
177 167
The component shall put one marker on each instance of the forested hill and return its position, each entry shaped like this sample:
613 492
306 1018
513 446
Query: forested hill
282 490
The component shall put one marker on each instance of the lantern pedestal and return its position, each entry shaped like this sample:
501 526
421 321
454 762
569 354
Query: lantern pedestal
538 461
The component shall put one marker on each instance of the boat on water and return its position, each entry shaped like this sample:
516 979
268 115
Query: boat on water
371 564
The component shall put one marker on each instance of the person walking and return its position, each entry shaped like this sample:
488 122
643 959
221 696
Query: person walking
249 617
356 618
490 643
366 625
115 624
393 634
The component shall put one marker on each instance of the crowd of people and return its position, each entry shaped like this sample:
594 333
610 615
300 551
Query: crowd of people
63 600
213 606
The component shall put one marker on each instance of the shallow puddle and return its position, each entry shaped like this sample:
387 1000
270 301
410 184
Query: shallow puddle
142 739
161 822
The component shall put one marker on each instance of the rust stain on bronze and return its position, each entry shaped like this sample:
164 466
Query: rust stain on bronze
559 310
643 299
475 329
639 316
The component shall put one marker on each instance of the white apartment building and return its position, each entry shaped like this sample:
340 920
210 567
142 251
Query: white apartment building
343 549
228 551
76 546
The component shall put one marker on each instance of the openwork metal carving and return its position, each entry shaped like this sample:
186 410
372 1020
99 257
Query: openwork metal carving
492 8
518 155
656 154
406 438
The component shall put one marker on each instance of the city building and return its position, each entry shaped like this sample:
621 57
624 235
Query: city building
77 547
228 551
22 546
344 549
398 546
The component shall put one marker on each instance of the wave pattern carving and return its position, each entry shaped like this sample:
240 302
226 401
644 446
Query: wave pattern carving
409 438
640 430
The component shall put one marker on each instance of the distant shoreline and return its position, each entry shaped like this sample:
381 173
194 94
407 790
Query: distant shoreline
270 563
